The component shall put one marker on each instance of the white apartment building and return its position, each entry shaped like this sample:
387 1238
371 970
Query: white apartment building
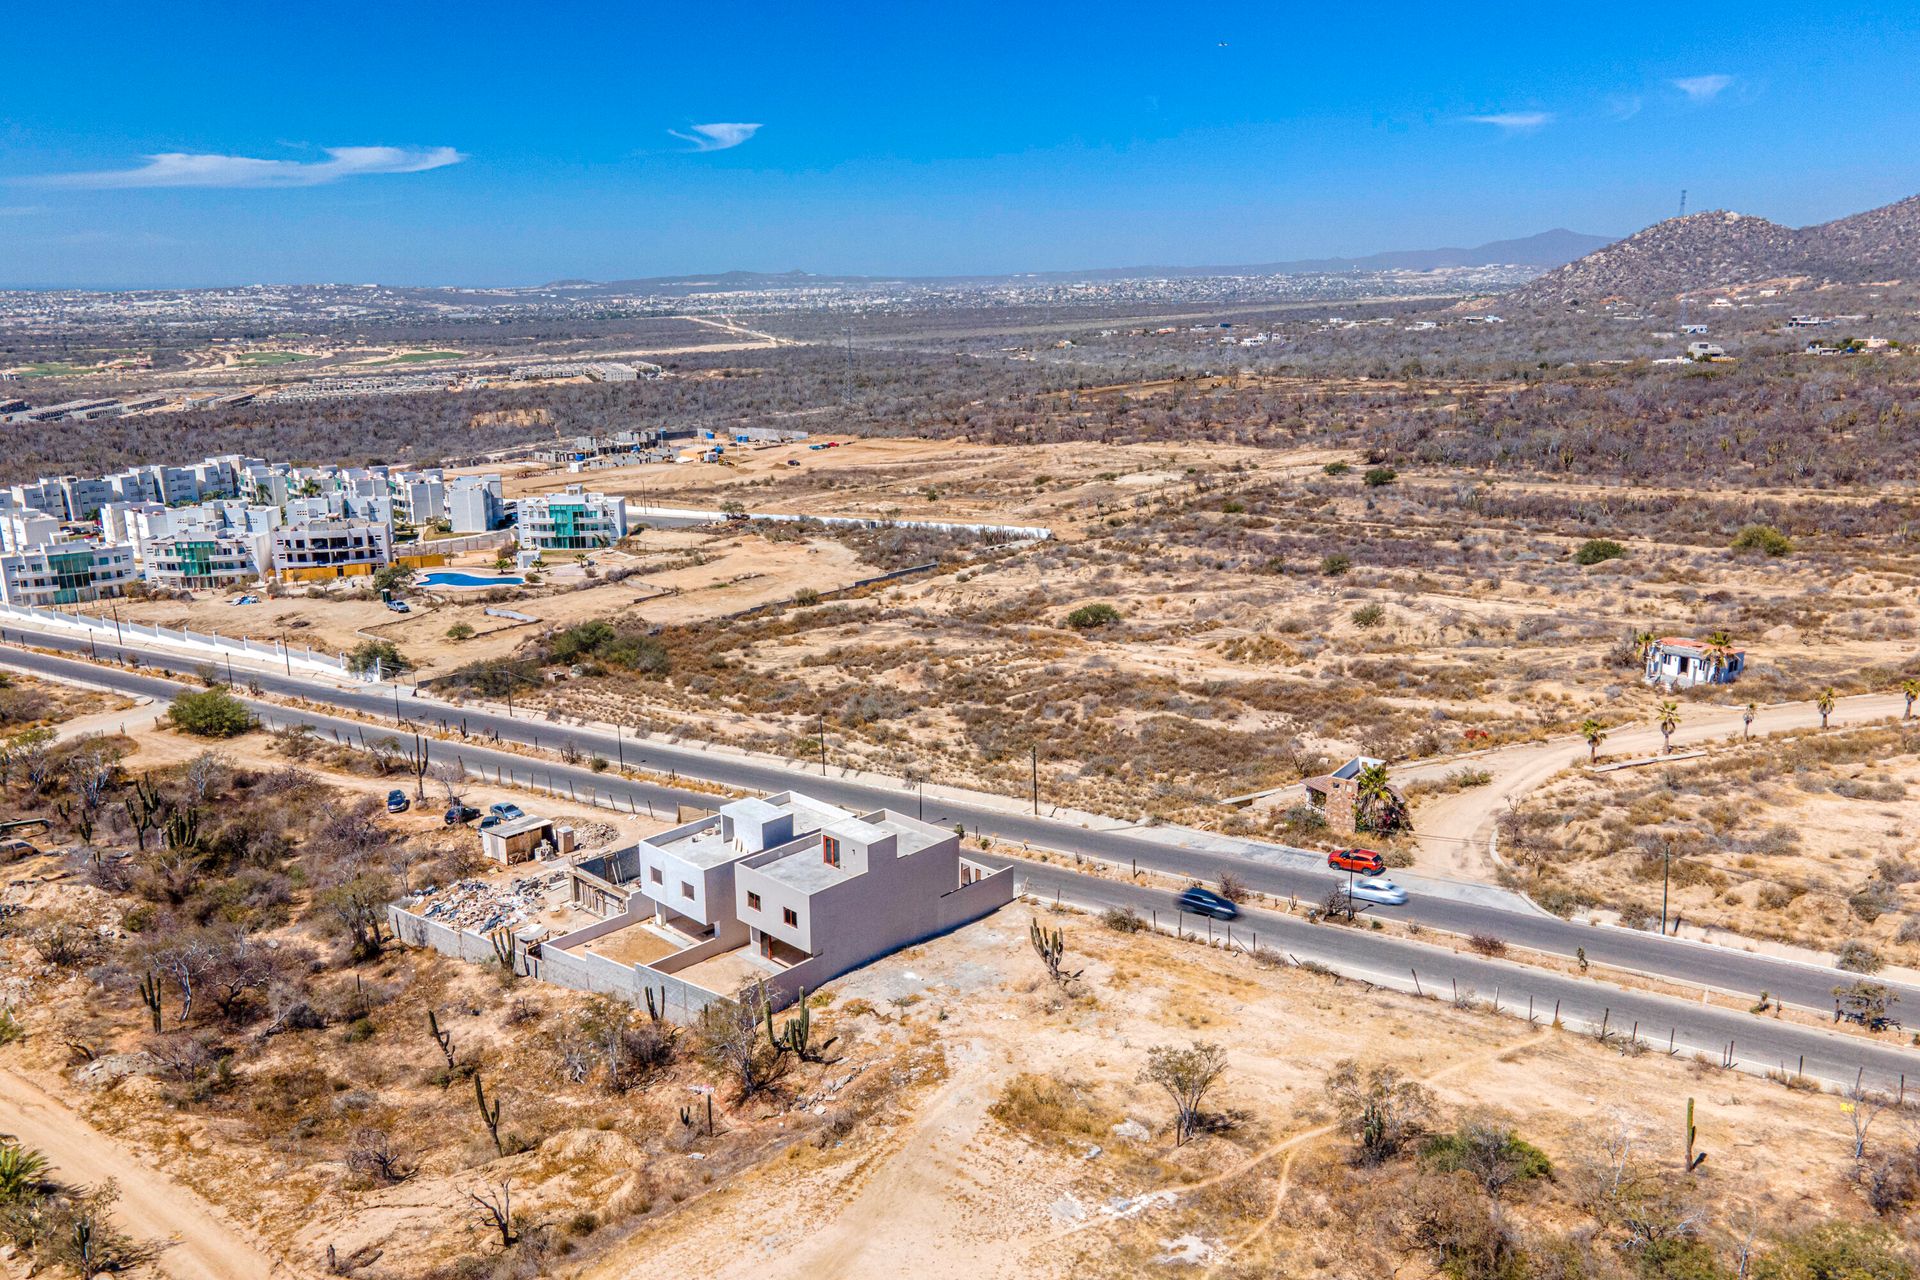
476 504
571 521
66 573
337 548
25 529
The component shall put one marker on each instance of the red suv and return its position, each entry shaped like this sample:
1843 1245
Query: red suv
1362 860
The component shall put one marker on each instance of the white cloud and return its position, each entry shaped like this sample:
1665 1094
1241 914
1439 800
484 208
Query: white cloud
184 169
716 137
1703 88
1515 121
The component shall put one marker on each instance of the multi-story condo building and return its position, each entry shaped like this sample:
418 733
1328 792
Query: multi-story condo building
337 548
419 497
24 529
476 504
70 572
571 521
205 559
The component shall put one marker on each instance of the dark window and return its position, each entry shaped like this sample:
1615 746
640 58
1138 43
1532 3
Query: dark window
655 873
753 901
686 890
786 914
830 850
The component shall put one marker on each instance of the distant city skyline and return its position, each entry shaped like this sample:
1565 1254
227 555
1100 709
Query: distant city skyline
496 145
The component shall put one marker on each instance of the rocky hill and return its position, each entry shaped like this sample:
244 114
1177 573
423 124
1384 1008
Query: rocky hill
1719 249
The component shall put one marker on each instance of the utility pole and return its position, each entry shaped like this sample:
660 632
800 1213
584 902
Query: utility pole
229 671
1683 296
1666 874
823 744
848 397
1035 751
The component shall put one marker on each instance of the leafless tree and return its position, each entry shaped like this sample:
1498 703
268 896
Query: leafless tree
208 774
1379 1107
496 1209
373 1154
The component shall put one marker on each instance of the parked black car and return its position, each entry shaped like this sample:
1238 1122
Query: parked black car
1205 902
397 801
459 813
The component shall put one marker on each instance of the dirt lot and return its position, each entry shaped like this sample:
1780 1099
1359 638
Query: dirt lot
1802 838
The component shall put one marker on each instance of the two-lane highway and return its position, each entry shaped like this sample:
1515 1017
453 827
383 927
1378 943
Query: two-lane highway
1726 969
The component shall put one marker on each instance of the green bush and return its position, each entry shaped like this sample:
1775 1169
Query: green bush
599 641
460 631
1763 538
213 713
1369 615
381 653
1335 565
1381 475
1836 1251
1594 550
1089 616
1336 468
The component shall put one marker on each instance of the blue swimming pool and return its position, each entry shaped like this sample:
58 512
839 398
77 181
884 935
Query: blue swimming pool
452 578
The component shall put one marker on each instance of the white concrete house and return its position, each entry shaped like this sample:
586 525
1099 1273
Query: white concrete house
789 890
1676 662
571 521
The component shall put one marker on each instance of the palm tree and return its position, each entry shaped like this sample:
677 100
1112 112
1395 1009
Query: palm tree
1377 806
1595 733
1825 703
1719 649
1642 641
1746 719
1669 721
1912 689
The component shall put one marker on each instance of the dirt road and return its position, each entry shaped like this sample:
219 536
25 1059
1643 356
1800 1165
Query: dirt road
152 1206
1452 830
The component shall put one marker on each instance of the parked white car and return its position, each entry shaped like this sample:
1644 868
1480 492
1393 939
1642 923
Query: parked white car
1381 892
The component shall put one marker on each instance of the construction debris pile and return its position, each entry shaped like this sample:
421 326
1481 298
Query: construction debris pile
480 907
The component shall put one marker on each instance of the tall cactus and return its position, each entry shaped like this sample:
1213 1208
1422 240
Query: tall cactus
489 1115
183 828
442 1038
797 1036
1693 1161
1052 950
150 996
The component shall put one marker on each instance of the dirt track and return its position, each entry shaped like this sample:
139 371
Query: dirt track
152 1206
1452 830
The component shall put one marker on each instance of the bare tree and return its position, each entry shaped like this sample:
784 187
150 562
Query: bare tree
375 1156
731 1040
452 778
496 1209
207 774
1187 1075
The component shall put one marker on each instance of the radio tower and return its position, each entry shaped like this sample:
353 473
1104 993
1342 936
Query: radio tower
1683 292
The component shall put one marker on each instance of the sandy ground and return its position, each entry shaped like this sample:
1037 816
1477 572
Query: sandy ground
1452 830
152 1206
945 1190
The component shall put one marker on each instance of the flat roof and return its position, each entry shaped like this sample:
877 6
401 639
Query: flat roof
804 869
518 826
706 848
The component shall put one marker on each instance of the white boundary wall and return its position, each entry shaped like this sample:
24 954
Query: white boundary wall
1021 532
196 643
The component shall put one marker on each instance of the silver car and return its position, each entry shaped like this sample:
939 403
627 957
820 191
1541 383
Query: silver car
1380 891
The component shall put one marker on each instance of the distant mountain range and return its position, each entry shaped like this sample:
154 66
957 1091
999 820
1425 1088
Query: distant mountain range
1547 249
1718 249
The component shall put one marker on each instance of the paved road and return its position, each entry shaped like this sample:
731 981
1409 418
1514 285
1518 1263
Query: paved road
1282 875
1761 1043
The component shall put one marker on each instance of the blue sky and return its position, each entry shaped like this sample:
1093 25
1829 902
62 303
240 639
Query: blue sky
488 143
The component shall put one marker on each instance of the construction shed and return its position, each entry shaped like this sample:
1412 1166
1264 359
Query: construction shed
520 839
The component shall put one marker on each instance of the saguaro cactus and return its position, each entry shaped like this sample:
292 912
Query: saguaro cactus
1693 1161
1052 950
150 996
489 1114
